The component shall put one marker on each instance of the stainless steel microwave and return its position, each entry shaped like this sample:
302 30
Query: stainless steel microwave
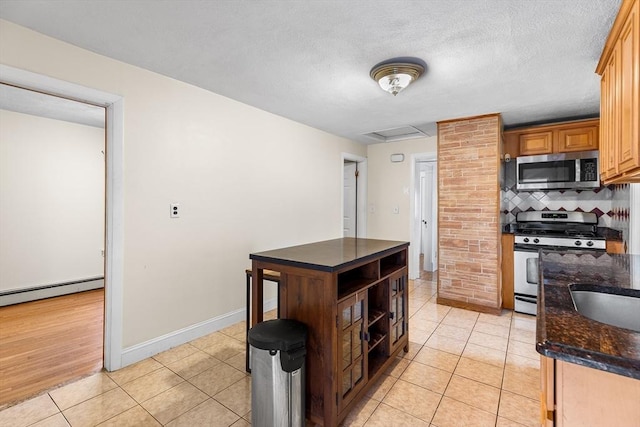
579 170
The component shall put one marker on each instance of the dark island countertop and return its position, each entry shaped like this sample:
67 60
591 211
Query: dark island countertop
330 255
564 334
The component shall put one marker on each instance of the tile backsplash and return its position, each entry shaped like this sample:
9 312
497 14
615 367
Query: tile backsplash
620 205
609 203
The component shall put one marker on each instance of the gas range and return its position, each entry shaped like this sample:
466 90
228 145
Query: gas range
560 229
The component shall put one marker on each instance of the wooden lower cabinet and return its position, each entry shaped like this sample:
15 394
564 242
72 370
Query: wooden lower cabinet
615 247
352 347
372 326
547 391
574 395
398 311
507 271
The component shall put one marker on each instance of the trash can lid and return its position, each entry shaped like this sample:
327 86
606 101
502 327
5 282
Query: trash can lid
278 334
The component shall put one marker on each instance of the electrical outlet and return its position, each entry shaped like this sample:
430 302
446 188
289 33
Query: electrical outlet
175 212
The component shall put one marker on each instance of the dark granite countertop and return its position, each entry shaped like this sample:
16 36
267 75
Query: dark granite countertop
562 333
330 255
609 233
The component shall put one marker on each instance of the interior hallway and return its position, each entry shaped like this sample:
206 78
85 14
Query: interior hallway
463 368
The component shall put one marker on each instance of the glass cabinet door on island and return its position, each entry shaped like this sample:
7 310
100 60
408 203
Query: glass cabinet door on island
397 309
351 346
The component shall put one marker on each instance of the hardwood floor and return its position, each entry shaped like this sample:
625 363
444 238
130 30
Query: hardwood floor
49 342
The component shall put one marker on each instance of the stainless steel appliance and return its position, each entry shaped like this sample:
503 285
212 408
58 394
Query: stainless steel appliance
577 170
557 230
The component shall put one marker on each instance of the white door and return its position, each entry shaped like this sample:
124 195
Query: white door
350 194
425 227
428 217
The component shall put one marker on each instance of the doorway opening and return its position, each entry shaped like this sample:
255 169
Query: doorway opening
423 250
354 179
52 219
114 193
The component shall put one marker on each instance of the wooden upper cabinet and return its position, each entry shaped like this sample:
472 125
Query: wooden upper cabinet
564 137
628 148
536 143
609 114
619 67
578 139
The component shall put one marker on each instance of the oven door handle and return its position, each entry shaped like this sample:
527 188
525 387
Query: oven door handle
531 300
522 247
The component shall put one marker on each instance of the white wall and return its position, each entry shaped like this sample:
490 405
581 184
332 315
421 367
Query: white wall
52 204
246 181
389 186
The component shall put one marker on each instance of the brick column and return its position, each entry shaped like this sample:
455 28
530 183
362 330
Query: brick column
469 213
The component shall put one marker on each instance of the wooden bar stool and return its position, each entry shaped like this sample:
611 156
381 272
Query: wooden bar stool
272 276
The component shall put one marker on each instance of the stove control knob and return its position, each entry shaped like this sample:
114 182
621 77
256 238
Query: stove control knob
526 240
578 243
589 243
536 240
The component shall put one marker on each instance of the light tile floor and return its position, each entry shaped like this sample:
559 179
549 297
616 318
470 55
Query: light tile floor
462 369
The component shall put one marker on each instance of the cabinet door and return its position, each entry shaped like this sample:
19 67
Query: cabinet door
629 138
615 247
578 139
351 347
536 143
610 105
591 397
547 392
604 126
507 271
398 320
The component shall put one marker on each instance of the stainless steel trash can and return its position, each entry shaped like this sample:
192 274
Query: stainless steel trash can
278 353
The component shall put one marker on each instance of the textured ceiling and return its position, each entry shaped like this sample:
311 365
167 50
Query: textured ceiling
531 60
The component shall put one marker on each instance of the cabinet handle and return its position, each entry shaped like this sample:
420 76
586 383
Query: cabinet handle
364 336
391 315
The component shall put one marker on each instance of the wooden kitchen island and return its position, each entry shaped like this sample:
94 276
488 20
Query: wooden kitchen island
352 294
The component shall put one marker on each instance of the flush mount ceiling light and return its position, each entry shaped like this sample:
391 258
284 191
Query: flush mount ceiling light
395 76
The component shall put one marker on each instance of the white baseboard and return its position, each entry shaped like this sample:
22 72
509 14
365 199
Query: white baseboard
168 341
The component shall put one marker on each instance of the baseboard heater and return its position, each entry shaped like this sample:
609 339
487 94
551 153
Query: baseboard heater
17 296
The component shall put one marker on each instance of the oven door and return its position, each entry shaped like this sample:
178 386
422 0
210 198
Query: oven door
525 280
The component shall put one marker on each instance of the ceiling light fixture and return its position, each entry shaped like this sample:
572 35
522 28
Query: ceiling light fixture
395 76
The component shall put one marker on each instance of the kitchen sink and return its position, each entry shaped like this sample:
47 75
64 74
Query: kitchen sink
611 308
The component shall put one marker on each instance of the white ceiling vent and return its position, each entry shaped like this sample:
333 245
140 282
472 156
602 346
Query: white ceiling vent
396 134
